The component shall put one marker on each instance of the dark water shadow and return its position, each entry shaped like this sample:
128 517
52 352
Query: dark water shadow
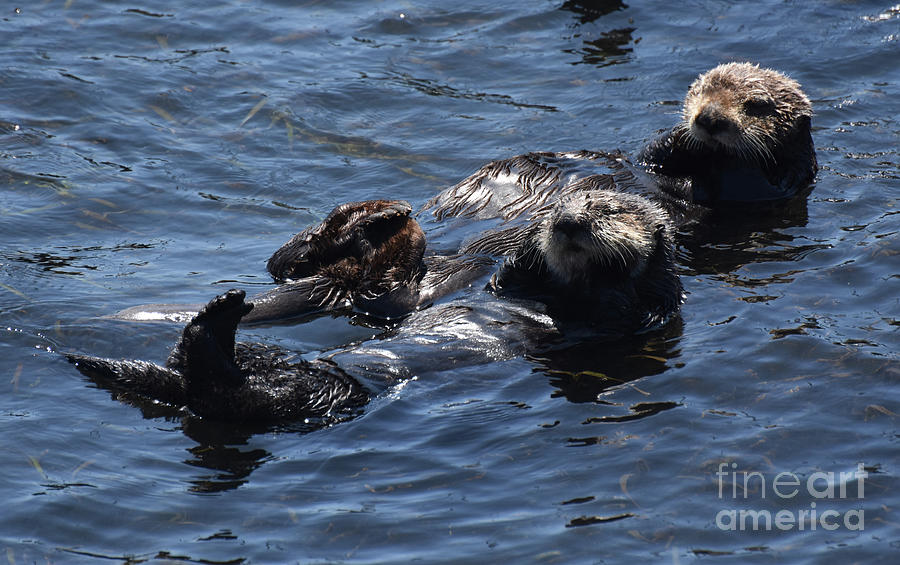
582 372
134 559
729 238
610 47
589 11
222 450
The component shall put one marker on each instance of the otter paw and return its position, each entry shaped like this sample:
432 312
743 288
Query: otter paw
230 306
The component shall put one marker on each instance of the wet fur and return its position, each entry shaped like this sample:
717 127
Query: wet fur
361 252
365 257
216 378
531 183
744 136
601 257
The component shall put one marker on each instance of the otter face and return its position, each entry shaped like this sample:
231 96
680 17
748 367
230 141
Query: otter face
743 110
601 231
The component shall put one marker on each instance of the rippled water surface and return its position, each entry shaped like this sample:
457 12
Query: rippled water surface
153 152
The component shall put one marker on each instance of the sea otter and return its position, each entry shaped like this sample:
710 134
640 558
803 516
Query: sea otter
365 256
600 257
745 137
216 378
601 260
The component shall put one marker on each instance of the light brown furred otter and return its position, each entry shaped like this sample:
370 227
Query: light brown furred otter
602 258
744 136
742 109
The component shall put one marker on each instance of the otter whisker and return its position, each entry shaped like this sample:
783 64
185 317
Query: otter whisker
758 146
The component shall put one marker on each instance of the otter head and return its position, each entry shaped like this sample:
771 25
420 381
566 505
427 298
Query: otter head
362 243
599 257
599 234
744 110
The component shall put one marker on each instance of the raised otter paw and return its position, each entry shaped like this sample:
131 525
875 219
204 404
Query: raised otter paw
224 308
207 342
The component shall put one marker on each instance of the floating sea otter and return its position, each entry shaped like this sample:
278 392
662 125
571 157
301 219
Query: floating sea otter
599 257
367 255
364 256
602 259
745 136
214 377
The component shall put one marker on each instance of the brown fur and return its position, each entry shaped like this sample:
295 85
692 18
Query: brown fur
743 109
601 257
744 136
364 247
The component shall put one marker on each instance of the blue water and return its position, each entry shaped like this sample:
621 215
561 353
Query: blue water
152 152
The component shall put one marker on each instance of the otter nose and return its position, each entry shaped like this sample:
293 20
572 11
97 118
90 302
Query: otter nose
567 225
712 120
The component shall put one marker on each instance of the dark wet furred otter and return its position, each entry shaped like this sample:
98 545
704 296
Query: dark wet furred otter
364 256
216 378
744 137
602 258
367 255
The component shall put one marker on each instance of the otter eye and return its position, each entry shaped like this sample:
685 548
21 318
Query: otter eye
759 106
